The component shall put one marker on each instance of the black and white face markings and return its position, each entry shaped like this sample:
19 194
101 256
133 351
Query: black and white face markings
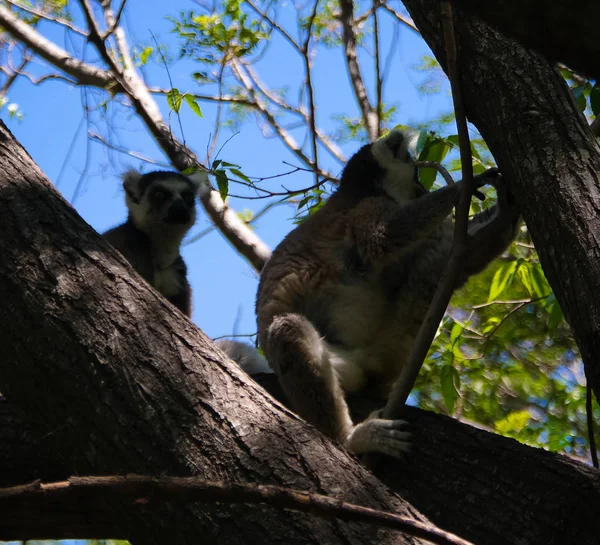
160 197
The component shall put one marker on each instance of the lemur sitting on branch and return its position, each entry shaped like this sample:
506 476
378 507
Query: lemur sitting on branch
342 298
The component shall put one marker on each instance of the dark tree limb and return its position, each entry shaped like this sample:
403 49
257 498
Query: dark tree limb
490 489
562 31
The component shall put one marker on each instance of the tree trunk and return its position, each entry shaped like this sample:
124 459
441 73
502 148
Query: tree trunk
561 30
550 158
119 382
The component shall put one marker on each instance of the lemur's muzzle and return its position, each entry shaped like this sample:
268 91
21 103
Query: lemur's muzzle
179 212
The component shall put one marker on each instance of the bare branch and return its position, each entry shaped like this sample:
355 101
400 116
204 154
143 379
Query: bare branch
83 73
143 490
332 148
134 154
13 74
432 164
399 16
378 76
116 21
47 17
286 137
369 115
309 87
276 26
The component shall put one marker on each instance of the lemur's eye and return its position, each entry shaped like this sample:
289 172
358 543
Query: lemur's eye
159 195
188 197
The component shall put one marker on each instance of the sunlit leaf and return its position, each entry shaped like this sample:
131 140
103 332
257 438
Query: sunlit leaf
449 380
502 279
191 102
145 55
174 99
514 423
222 183
539 284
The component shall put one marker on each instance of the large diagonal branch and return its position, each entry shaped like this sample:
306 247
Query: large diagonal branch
83 73
245 241
369 114
446 474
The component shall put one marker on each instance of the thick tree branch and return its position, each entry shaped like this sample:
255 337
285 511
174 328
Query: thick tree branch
562 31
461 476
360 91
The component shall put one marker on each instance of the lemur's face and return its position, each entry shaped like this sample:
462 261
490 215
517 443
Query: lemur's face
399 176
161 199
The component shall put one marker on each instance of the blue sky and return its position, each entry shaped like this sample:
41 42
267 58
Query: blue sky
224 284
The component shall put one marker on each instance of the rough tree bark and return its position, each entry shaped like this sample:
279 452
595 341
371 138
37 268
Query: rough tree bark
489 489
545 149
561 30
120 382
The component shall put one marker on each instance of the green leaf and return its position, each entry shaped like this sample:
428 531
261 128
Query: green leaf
421 142
222 183
595 99
539 284
435 152
191 102
555 316
523 272
502 279
455 333
579 97
174 98
449 380
145 55
240 175
515 422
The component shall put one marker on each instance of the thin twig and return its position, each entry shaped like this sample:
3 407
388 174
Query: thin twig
432 164
309 87
440 300
164 61
400 17
356 78
589 410
125 151
115 24
141 490
378 76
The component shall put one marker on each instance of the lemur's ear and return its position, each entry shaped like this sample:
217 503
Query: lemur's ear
200 182
131 184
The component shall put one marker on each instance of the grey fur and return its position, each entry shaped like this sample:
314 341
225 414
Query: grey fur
341 299
246 356
162 210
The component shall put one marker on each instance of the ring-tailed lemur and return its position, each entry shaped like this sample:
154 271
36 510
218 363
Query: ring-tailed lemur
162 209
343 296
